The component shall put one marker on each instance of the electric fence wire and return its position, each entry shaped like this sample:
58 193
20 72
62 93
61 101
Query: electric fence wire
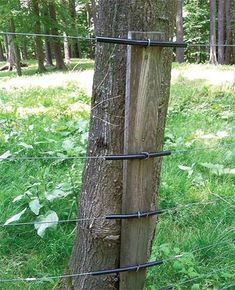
112 271
106 157
93 219
95 38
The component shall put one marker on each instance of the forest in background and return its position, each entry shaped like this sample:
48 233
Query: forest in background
207 26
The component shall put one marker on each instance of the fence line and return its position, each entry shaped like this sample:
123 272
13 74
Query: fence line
109 272
105 157
92 219
95 38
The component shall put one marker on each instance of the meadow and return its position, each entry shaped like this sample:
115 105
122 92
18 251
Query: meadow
48 115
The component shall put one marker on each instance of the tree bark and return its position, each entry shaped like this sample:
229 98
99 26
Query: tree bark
213 57
56 44
179 30
97 243
228 49
221 32
2 56
38 39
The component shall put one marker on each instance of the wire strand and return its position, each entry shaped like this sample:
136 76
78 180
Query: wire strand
80 220
103 157
95 39
47 278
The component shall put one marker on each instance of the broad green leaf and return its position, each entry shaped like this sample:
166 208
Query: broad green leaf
68 144
218 169
15 217
18 197
49 220
35 206
195 287
5 155
26 146
187 169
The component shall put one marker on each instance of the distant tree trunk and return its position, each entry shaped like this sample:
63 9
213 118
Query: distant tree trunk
15 54
66 39
38 39
48 52
213 58
56 43
66 49
46 30
24 51
89 24
221 32
179 30
2 56
97 243
228 49
75 45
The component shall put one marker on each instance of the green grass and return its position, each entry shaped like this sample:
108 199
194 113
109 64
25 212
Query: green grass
40 120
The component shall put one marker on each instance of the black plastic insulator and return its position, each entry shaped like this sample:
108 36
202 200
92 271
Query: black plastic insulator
139 42
142 155
133 215
127 269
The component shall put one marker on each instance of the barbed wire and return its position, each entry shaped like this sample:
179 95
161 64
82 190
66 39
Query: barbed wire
92 219
95 39
47 278
103 157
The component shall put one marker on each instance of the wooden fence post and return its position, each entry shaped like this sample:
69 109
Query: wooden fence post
143 91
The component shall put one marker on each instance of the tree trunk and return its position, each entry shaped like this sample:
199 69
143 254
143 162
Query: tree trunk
56 43
228 49
75 45
221 32
24 50
179 30
2 56
66 39
15 53
90 24
213 58
49 60
97 243
38 39
47 43
10 55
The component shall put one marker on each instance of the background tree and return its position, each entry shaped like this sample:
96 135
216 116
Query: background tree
56 43
213 57
2 56
97 244
221 27
196 29
38 39
179 30
75 46
228 49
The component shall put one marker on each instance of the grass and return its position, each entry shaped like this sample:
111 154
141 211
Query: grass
48 115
